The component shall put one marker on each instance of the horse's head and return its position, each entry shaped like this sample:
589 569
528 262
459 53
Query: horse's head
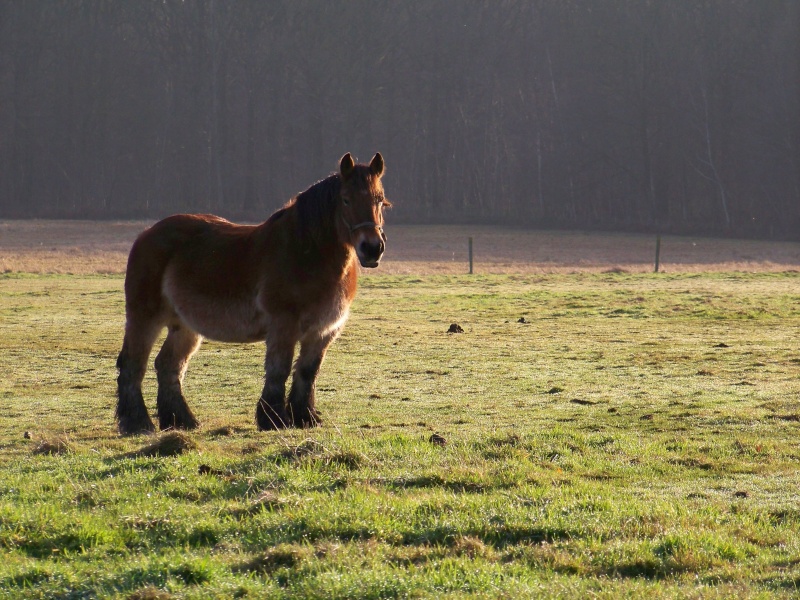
361 208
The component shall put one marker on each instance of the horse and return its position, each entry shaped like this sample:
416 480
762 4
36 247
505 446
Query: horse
287 281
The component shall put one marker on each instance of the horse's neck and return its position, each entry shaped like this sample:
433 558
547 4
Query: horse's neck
321 247
334 256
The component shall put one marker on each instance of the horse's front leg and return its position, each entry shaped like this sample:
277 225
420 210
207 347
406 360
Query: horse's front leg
301 398
271 409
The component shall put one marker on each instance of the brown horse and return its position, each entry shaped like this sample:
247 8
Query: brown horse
289 280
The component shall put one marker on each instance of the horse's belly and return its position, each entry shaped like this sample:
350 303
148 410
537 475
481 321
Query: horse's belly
234 320
246 315
231 323
228 322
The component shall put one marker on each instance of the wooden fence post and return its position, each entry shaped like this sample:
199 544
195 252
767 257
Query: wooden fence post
658 252
470 255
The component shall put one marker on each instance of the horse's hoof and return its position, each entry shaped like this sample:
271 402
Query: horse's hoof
271 420
272 425
308 420
181 426
185 424
127 429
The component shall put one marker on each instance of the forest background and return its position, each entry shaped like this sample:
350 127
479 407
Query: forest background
668 116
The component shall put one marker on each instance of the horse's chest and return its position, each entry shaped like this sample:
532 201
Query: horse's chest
317 301
326 317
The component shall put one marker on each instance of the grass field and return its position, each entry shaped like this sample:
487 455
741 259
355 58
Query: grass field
597 434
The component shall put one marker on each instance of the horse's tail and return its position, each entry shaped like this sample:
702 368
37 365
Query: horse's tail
147 262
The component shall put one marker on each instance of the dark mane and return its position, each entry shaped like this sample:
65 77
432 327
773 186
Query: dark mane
316 208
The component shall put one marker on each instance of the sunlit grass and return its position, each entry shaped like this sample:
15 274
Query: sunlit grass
597 434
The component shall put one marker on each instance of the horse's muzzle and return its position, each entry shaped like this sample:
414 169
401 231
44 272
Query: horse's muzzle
369 247
370 252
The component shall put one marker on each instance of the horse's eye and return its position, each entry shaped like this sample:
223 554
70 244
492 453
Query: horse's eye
345 201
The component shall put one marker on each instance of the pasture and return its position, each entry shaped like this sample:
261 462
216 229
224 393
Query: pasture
596 430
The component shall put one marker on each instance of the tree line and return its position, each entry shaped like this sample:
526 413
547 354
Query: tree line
663 115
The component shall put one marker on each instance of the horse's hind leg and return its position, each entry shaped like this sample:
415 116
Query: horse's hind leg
302 396
171 363
131 411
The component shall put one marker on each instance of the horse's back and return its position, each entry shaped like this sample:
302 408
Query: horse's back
172 233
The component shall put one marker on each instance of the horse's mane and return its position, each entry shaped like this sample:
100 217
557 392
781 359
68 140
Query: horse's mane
316 207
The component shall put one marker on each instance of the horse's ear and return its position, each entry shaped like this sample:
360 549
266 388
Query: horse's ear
376 164
346 166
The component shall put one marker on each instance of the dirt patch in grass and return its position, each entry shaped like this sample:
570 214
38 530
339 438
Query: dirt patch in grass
84 247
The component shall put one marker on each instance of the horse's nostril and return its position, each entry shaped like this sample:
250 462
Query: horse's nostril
369 249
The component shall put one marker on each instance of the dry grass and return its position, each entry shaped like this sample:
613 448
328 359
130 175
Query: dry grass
85 247
57 445
171 443
77 247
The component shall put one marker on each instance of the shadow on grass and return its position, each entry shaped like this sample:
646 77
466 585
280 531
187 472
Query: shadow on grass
499 537
48 547
435 481
148 582
640 569
282 556
783 583
27 579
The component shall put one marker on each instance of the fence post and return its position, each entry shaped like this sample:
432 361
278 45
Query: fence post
470 255
658 252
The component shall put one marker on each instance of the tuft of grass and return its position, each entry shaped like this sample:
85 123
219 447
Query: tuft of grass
346 458
311 449
53 446
308 447
171 443
149 593
224 431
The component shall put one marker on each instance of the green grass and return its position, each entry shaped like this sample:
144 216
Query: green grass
636 435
